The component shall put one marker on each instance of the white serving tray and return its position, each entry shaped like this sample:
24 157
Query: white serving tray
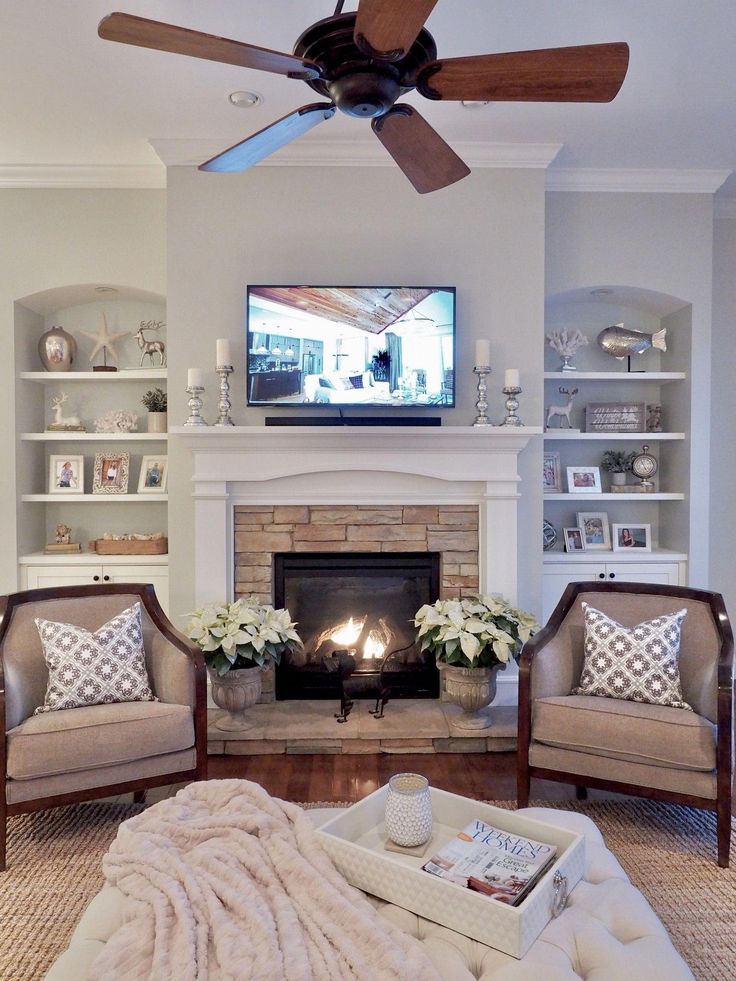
355 842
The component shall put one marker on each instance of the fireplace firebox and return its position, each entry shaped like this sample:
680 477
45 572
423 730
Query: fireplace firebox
361 604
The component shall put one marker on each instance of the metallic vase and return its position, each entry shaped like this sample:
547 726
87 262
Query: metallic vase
57 349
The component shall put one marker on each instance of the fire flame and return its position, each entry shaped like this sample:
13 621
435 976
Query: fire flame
374 646
348 633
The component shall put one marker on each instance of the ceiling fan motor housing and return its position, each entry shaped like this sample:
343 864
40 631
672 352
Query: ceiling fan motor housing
358 84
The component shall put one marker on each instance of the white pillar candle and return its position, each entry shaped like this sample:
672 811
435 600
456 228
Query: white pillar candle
511 378
482 353
195 378
223 352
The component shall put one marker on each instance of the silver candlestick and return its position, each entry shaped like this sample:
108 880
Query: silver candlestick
482 404
512 404
195 406
223 403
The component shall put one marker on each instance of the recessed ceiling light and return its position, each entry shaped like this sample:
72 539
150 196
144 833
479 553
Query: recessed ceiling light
245 100
601 291
105 289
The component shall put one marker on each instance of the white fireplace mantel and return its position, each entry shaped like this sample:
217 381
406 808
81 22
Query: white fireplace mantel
353 465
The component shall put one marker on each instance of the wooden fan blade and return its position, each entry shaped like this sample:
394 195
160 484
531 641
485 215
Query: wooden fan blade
179 40
587 73
422 154
386 29
266 141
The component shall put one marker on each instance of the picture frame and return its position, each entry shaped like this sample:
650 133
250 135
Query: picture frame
154 475
111 472
66 474
631 537
574 539
596 530
551 473
616 417
584 480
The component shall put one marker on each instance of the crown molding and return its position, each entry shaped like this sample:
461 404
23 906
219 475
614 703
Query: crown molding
349 153
631 180
82 175
724 208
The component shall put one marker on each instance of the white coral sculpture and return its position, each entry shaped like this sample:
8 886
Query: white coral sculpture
117 421
566 342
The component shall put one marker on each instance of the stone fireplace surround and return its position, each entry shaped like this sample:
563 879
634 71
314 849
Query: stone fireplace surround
259 489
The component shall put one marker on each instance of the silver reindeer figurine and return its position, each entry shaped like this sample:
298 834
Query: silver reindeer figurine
561 411
149 348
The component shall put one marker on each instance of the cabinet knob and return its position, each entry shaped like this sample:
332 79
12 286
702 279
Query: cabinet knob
96 578
611 575
106 578
601 575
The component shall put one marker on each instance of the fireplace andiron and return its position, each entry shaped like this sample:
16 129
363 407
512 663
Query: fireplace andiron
342 663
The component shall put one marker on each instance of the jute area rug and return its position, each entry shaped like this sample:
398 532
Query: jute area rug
668 851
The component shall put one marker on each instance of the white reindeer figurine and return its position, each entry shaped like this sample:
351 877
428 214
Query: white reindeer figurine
149 348
561 411
61 421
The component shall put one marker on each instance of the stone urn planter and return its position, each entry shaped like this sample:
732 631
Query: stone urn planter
473 689
236 692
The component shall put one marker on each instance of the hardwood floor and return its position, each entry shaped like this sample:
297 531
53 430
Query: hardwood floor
332 778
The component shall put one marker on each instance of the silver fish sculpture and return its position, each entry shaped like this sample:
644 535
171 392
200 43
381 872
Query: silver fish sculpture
621 343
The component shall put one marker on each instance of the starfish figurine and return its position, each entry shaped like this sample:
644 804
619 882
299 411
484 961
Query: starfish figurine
104 340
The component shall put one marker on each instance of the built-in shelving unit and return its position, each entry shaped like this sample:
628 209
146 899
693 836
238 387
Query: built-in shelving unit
555 435
124 375
95 498
47 437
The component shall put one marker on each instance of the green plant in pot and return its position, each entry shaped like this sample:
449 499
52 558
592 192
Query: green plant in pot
156 401
238 641
380 364
618 464
472 640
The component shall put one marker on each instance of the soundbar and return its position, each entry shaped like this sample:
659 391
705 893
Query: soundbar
353 421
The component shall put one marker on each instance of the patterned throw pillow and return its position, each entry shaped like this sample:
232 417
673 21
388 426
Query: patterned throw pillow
638 664
86 668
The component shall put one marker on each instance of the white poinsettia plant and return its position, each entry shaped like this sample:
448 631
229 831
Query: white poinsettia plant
475 632
243 634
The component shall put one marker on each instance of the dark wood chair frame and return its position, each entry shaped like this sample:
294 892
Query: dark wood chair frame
137 787
724 745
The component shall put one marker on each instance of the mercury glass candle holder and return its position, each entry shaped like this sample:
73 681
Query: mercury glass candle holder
408 810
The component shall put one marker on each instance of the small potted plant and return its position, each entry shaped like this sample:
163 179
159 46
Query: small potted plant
618 464
238 640
156 402
473 639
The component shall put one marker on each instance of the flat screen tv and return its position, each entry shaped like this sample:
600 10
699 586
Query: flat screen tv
350 347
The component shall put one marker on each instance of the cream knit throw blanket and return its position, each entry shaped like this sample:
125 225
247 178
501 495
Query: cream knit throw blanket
225 882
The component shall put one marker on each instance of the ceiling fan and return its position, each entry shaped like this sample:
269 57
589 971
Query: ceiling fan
363 62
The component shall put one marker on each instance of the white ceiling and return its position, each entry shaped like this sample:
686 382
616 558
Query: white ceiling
69 99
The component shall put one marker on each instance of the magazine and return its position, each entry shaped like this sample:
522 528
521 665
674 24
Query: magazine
500 864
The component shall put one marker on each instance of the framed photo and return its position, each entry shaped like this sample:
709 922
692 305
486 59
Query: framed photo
574 541
154 475
66 475
595 528
551 480
584 480
626 537
111 473
616 417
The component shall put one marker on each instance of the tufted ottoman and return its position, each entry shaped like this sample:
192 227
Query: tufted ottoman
608 931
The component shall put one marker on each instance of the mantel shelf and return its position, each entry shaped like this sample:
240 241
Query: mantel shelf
126 374
554 435
592 498
95 498
617 376
73 437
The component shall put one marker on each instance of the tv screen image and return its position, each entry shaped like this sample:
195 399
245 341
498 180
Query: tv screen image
351 346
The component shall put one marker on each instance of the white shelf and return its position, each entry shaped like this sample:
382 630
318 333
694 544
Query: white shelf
598 555
91 558
126 374
95 498
554 435
592 498
73 437
617 376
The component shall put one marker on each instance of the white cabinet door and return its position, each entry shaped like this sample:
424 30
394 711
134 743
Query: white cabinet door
665 573
157 575
557 576
41 576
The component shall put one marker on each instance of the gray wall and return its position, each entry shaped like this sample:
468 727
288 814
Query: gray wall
54 238
484 235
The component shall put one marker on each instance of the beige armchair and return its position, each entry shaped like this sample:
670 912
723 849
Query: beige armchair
631 747
84 753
